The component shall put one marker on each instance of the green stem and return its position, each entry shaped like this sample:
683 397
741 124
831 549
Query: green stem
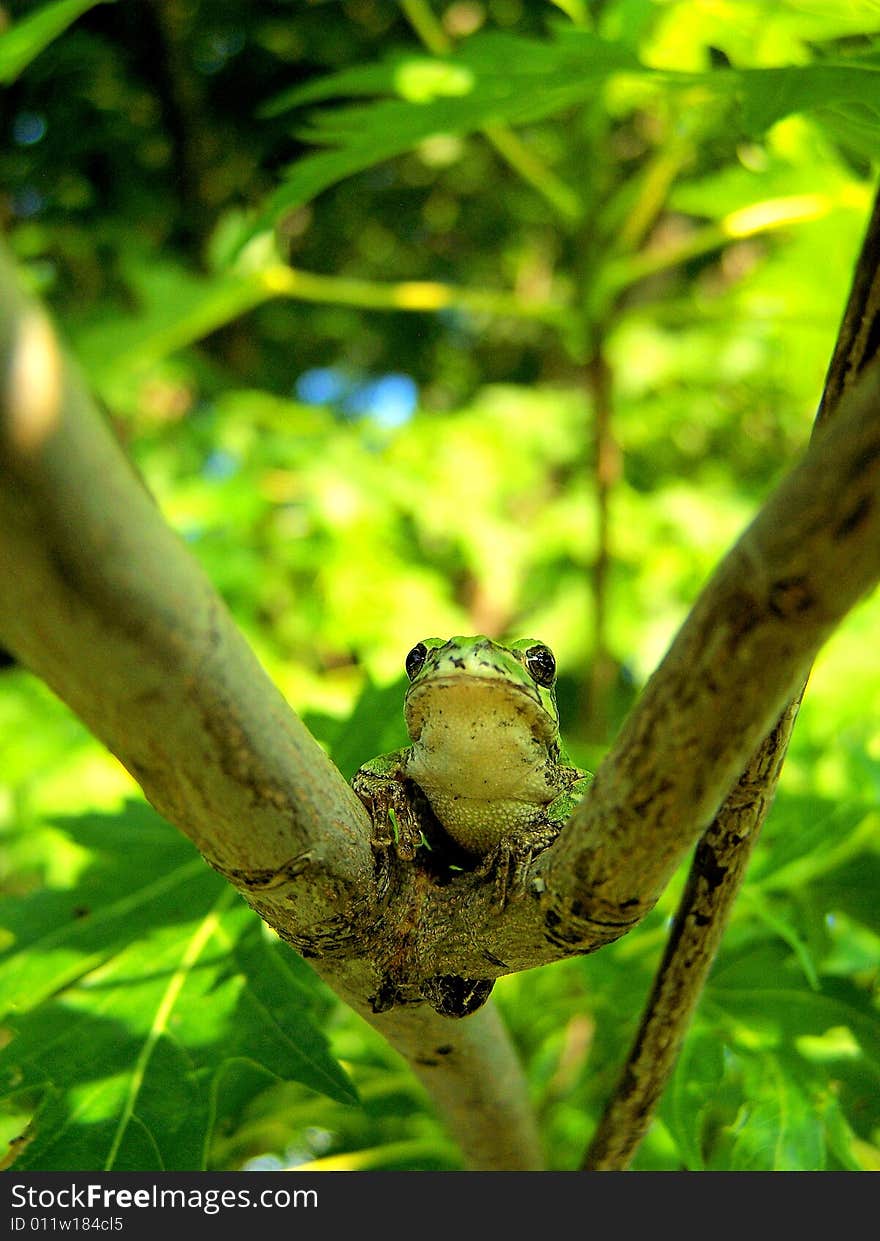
240 294
534 171
424 22
411 295
652 194
750 221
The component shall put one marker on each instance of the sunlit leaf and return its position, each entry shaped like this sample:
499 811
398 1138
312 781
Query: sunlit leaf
766 95
176 991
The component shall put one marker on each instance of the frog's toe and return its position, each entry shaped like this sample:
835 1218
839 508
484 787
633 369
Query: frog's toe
509 861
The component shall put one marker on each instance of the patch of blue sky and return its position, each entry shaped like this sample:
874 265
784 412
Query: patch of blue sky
388 401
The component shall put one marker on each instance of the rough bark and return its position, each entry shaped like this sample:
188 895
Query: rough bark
858 341
103 602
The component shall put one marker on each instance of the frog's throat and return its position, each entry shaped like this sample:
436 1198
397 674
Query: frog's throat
427 697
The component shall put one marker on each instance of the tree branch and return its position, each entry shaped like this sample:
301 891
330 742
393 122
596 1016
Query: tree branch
110 609
714 880
742 654
103 601
721 859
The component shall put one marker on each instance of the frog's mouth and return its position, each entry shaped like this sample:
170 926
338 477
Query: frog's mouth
473 705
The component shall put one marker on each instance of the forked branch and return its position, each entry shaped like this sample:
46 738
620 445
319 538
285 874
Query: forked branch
105 603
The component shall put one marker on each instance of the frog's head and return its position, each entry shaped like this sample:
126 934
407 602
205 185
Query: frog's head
474 676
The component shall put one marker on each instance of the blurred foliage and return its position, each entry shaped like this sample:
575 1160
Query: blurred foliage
340 274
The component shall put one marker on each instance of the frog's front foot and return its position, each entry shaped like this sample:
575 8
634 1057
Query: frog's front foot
393 814
511 858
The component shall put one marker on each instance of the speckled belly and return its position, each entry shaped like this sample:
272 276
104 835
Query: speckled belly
479 826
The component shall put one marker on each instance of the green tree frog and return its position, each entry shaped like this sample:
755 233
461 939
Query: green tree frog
486 763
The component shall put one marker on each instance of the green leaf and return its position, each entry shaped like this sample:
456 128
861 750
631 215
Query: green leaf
28 37
496 77
767 95
505 77
779 1129
777 1015
275 1017
139 1027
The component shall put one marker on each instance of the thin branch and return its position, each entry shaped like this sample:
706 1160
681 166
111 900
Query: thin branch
713 882
722 856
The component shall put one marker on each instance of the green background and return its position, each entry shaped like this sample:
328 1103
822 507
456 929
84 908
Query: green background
340 275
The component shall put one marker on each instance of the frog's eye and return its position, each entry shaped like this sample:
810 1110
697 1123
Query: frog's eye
415 659
541 664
